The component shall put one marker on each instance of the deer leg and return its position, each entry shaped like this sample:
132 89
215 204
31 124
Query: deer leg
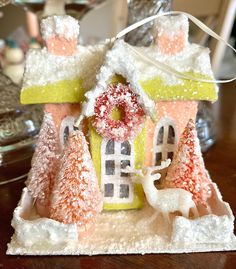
185 212
195 212
166 216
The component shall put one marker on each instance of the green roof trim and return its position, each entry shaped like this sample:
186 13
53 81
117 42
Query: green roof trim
187 90
64 91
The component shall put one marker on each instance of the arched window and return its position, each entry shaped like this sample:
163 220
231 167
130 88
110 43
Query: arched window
125 148
164 142
67 125
115 156
110 147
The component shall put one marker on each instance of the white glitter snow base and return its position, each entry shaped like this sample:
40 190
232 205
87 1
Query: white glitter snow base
123 232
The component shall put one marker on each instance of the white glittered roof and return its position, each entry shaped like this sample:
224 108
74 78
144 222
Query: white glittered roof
118 62
193 58
43 68
123 61
60 25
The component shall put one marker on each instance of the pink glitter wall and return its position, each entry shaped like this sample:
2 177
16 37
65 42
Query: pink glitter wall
179 111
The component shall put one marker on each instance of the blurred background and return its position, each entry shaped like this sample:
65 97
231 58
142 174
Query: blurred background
103 19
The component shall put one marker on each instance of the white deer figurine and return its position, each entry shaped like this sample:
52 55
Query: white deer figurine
165 201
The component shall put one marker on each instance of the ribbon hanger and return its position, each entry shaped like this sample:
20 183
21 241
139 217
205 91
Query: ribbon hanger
163 66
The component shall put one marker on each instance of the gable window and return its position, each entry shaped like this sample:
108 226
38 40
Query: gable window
164 142
115 156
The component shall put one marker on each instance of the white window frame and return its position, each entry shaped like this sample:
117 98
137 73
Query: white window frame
164 148
116 179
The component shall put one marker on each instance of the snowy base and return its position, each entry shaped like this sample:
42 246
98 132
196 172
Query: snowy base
124 232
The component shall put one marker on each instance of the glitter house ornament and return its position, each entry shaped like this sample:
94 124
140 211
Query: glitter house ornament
70 83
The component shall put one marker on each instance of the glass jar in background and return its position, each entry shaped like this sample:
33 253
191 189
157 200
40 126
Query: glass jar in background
205 125
138 10
43 8
19 126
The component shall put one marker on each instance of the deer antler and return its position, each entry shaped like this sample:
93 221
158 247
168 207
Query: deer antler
147 171
149 175
151 169
131 170
164 164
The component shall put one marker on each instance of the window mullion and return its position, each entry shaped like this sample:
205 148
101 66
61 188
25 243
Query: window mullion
116 179
164 147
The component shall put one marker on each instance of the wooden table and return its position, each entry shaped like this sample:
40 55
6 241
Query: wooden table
221 163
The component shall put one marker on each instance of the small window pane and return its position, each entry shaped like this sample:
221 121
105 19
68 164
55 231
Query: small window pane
124 190
125 148
110 167
110 147
123 165
109 190
66 134
158 158
160 136
171 135
170 155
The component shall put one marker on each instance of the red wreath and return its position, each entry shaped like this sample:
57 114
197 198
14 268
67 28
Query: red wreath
122 97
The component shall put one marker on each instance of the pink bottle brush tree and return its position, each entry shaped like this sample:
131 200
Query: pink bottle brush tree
44 165
76 197
187 170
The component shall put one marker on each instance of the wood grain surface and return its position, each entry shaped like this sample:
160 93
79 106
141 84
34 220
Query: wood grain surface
221 163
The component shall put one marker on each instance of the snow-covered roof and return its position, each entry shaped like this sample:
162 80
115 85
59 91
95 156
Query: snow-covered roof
52 78
151 83
117 62
192 61
193 58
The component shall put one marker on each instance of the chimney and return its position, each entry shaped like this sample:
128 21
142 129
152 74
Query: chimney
60 34
171 34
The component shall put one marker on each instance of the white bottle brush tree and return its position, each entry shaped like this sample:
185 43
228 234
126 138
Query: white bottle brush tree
76 197
187 170
45 162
